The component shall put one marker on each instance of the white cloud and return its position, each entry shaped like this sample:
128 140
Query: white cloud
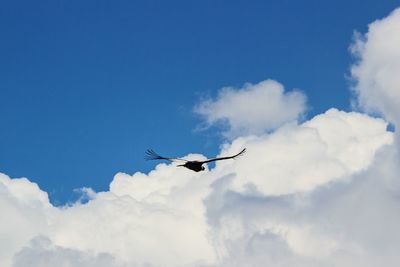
253 109
331 146
175 217
42 253
352 223
378 66
167 221
24 210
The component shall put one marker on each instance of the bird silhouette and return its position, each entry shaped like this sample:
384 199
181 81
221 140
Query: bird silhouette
193 165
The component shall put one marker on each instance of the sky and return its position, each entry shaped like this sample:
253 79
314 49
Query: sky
310 89
87 87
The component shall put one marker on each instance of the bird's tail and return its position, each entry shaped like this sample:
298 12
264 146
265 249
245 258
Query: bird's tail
151 155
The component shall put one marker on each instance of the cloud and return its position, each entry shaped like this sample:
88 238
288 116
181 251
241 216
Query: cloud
220 217
377 69
42 253
24 210
343 223
298 158
319 193
253 109
133 227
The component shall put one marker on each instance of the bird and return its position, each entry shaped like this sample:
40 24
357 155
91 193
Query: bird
193 165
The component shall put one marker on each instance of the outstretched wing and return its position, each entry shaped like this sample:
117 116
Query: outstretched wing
222 158
152 155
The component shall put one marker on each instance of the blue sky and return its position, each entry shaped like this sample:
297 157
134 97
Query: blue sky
87 87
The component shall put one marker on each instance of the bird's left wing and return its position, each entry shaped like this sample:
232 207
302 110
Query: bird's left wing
152 155
222 158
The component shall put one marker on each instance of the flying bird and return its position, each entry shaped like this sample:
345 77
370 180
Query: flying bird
193 165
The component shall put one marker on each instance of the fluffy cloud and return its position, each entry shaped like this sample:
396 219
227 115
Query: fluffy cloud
133 227
343 223
253 109
320 193
41 252
331 146
265 200
24 210
378 66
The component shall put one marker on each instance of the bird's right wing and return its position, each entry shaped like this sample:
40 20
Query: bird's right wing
152 155
223 158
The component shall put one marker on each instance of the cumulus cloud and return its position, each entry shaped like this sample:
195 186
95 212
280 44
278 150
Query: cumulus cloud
377 69
24 214
331 146
163 215
319 193
221 217
253 109
42 253
343 223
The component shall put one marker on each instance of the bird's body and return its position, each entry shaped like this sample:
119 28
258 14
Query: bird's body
196 166
193 165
